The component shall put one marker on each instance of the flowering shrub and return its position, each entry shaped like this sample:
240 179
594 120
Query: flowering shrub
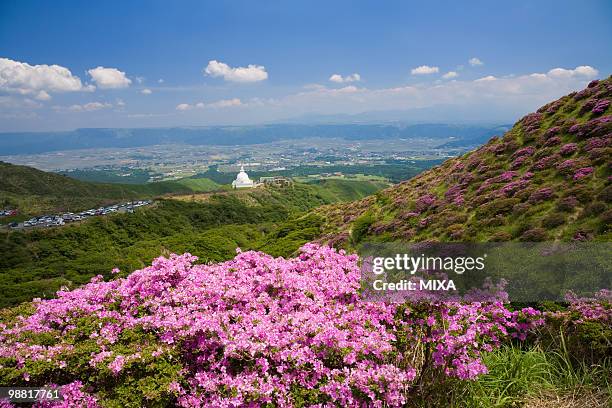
514 186
525 151
518 162
583 172
567 167
594 143
425 202
545 162
531 122
583 93
252 331
541 195
568 149
593 128
601 106
555 140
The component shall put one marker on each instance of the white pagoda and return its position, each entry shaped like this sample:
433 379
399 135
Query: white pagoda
242 180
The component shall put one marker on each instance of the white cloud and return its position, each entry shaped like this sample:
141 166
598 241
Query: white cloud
109 78
475 62
140 79
120 103
38 80
581 71
339 79
485 79
424 70
146 91
223 103
251 73
183 107
160 80
42 96
450 75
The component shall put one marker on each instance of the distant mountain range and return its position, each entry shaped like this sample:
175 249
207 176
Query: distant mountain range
40 142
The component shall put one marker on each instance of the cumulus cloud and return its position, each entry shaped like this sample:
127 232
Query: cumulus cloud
475 62
450 75
339 79
581 71
37 80
251 73
109 78
223 103
146 91
424 70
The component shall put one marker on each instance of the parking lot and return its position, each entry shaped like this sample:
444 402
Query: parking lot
62 219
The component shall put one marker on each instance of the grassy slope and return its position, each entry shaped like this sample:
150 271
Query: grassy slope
575 208
199 185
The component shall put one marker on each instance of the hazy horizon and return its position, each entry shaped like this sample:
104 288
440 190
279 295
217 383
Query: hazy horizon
251 64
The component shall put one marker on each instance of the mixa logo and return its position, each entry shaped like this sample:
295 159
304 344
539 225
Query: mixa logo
437 285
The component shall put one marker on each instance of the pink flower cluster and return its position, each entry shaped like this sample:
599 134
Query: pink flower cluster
596 308
601 106
583 172
254 329
568 149
424 202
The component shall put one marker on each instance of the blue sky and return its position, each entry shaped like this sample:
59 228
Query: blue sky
144 63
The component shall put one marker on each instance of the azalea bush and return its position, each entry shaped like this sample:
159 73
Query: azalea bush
252 331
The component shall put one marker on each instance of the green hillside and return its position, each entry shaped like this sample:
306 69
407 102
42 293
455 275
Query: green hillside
36 192
38 262
548 178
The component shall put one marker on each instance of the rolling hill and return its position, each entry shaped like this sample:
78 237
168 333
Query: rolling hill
547 178
35 192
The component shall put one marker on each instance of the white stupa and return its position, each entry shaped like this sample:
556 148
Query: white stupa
242 180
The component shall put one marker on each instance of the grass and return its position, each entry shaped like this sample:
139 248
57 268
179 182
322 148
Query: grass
538 378
199 184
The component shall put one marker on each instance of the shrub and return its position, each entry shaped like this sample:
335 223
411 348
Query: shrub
553 220
567 204
582 173
601 107
360 227
581 192
541 195
606 194
425 202
500 206
568 149
501 236
253 331
534 235
594 209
